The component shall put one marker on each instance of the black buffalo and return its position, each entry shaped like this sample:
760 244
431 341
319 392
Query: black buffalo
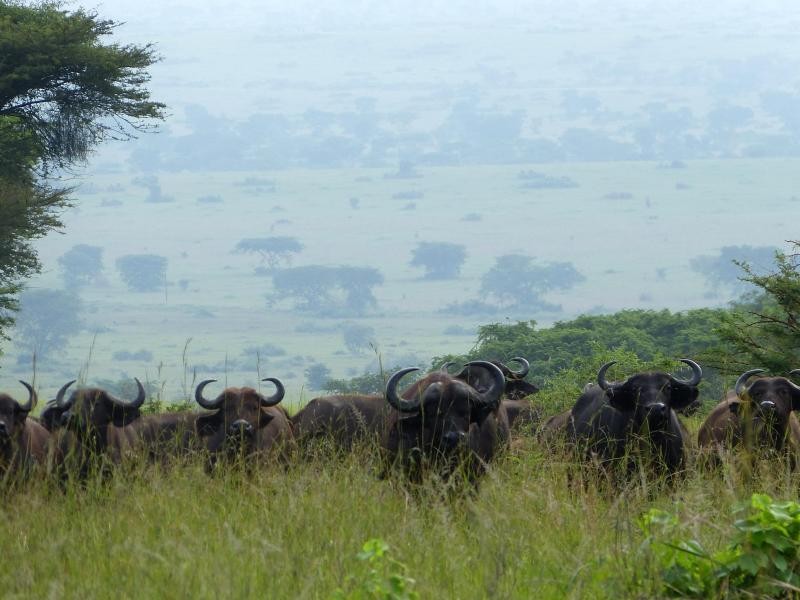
244 424
758 415
622 420
23 441
445 425
95 428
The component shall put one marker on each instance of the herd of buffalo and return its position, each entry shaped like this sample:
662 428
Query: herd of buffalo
443 423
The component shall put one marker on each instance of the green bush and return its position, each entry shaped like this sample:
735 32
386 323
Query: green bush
762 557
386 578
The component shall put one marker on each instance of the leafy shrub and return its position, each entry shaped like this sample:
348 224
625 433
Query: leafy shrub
763 557
386 579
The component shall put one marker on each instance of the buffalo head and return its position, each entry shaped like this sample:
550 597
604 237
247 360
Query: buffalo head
771 401
239 415
88 412
651 396
516 387
13 415
435 422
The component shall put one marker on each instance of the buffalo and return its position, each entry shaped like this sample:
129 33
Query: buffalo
23 441
445 425
612 422
244 423
342 419
521 413
93 425
759 415
347 419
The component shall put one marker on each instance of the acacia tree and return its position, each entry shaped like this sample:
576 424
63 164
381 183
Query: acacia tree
81 265
62 91
143 272
441 260
47 320
328 291
272 250
515 281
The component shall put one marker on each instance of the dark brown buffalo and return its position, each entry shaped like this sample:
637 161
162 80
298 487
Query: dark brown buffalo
244 423
96 428
342 419
23 441
619 421
160 437
758 415
445 425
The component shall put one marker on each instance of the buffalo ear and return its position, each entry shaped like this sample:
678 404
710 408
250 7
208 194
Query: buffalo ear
682 396
208 424
264 417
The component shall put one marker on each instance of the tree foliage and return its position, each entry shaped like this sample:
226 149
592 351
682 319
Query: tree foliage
81 265
272 250
516 281
765 331
62 91
143 272
64 88
722 270
328 291
441 260
584 343
46 321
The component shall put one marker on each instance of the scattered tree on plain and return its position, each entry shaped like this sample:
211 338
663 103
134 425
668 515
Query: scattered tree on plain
516 282
328 291
46 321
357 338
272 250
317 375
81 265
441 260
143 272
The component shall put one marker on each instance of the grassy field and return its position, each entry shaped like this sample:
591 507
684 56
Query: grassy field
628 227
532 530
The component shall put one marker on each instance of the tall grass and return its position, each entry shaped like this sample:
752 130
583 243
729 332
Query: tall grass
535 528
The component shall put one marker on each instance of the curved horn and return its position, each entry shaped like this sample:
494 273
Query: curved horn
60 403
739 388
526 366
198 396
32 398
404 406
697 373
136 403
445 368
601 375
277 396
493 395
795 372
